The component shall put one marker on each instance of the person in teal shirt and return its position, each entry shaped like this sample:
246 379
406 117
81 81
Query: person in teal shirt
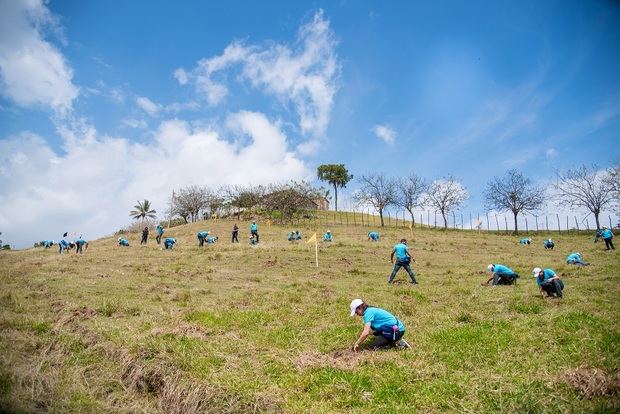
202 237
386 328
81 244
403 259
160 232
608 236
549 244
525 241
576 259
501 275
169 243
327 237
253 240
212 239
373 235
254 230
63 245
548 282
47 243
123 242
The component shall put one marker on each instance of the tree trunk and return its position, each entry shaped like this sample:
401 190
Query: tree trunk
516 228
412 218
598 224
335 197
381 216
445 220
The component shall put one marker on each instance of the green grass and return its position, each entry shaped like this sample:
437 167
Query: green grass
237 328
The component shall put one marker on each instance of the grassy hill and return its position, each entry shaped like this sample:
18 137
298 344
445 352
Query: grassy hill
244 329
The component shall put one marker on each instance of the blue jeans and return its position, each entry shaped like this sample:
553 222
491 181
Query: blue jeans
397 267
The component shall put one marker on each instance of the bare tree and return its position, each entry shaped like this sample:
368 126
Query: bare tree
445 195
513 192
189 202
409 193
584 187
613 179
289 200
376 190
243 198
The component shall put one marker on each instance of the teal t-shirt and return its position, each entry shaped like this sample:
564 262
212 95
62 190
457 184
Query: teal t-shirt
498 268
211 239
607 234
160 230
123 242
253 227
548 274
373 235
401 251
378 317
203 234
576 257
327 236
80 242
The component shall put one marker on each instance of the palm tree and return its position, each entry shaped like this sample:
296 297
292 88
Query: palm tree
142 210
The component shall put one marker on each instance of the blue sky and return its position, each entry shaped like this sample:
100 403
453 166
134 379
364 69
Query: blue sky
105 102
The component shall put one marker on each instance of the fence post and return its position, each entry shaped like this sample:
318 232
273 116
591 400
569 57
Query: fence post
587 225
428 218
536 224
497 223
546 223
506 223
347 216
435 219
567 231
576 224
421 220
558 217
389 220
488 225
610 225
354 220
453 220
470 223
527 230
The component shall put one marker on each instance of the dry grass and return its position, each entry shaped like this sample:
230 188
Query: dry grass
239 328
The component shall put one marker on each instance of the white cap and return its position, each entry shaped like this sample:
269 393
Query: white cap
536 271
490 267
119 239
354 304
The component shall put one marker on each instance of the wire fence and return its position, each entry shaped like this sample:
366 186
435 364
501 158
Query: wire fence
486 222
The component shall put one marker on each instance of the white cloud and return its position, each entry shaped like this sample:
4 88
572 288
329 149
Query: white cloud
551 153
303 75
148 106
98 178
135 123
32 71
385 133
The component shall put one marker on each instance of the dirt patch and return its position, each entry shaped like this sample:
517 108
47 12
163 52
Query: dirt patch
342 359
186 330
593 382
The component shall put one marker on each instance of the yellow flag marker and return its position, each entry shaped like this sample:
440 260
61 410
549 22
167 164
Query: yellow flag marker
316 248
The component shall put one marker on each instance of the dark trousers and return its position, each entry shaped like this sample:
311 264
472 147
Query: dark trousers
78 248
381 342
144 238
235 238
553 288
201 241
158 238
397 267
255 234
501 278
609 243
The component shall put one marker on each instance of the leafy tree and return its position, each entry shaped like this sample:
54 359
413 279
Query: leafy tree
446 195
513 192
409 193
585 187
142 210
290 200
188 202
376 190
336 175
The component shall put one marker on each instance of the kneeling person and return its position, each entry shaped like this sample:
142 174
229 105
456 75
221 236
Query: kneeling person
549 244
501 275
123 242
386 328
169 243
211 239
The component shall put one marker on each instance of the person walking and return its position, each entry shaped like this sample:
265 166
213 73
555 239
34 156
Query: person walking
160 232
608 236
145 235
386 328
254 230
548 282
403 259
235 234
